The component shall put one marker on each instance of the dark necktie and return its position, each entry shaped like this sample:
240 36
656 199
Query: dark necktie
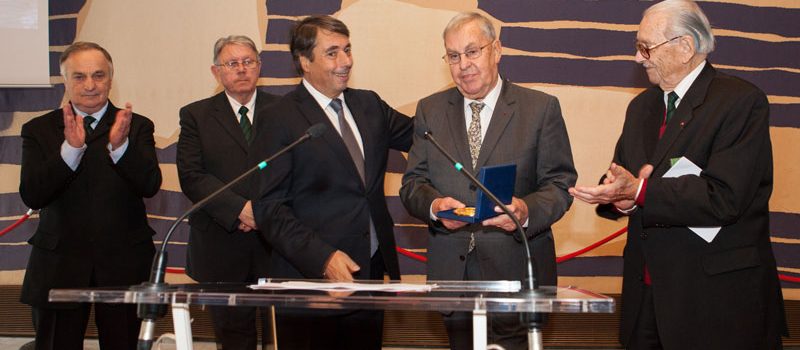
474 132
349 138
672 97
87 124
244 123
355 153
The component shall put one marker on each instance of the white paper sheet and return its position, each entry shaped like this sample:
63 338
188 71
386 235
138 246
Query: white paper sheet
682 167
344 286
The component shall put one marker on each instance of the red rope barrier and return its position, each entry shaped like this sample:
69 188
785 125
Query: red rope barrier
572 255
418 257
411 255
17 223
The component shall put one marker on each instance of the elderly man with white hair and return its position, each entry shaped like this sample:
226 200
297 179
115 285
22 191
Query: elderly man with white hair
699 271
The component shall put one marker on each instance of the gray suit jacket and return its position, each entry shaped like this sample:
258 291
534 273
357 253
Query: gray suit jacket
526 129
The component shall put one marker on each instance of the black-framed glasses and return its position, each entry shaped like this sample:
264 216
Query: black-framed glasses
645 50
247 63
473 53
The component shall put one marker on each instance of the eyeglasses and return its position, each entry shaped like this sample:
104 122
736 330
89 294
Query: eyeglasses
645 50
247 63
455 57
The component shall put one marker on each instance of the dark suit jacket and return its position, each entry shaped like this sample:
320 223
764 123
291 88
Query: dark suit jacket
92 221
719 295
526 129
312 200
212 151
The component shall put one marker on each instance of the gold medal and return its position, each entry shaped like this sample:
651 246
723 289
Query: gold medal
468 211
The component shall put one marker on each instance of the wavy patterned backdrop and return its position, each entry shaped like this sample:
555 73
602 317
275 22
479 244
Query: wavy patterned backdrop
578 50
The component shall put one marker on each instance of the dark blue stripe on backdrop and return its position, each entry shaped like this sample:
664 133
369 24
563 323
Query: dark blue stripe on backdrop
399 213
591 266
167 154
582 72
167 203
31 99
411 237
302 7
10 150
55 69
21 233
784 225
781 21
598 43
277 64
64 7
784 115
279 90
11 205
14 257
62 31
787 254
579 72
278 30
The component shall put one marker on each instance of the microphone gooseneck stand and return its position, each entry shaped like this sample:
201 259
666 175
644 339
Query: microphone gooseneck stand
533 321
149 313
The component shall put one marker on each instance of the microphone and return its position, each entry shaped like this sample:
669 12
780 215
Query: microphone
149 313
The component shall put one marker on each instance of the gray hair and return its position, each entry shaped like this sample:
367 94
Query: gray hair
79 46
686 18
233 40
466 17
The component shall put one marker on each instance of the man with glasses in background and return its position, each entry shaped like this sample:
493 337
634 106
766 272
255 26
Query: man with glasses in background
487 121
216 133
699 272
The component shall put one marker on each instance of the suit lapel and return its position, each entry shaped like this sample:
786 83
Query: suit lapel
458 127
223 114
651 123
311 110
503 111
684 113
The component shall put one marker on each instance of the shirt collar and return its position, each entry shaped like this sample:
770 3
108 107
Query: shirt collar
683 87
251 104
96 115
491 98
322 100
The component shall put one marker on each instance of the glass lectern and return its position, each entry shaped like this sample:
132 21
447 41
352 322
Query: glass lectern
479 297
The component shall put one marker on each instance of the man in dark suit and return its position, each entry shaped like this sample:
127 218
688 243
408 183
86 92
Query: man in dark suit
322 206
681 290
87 167
487 121
216 132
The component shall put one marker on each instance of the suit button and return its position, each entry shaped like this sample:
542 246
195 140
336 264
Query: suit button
462 257
643 235
473 188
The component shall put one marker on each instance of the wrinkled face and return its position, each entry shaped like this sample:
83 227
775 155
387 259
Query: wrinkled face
332 60
664 65
87 80
240 81
473 77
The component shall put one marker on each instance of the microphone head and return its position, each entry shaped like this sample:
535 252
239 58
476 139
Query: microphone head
317 129
423 132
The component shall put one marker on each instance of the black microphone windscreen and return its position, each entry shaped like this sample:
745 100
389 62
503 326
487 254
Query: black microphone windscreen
317 129
422 132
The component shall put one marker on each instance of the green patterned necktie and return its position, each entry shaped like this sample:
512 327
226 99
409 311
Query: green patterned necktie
244 123
672 97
